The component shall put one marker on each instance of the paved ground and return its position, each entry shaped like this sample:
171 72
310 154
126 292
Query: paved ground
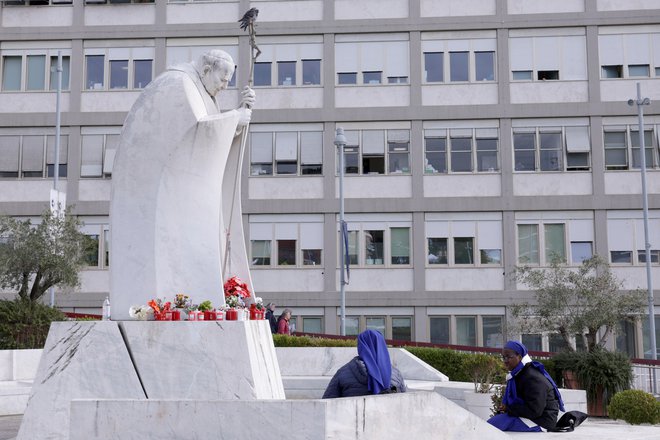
9 426
592 429
598 429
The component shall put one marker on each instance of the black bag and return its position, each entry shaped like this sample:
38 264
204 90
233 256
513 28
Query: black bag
569 421
389 390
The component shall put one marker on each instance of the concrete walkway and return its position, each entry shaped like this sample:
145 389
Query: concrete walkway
597 429
9 426
592 429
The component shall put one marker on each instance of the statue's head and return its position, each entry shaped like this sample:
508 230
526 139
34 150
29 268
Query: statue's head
215 69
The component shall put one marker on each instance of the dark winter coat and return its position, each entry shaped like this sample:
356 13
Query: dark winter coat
272 320
351 380
540 403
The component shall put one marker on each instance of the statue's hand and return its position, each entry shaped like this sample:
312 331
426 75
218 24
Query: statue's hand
247 97
244 114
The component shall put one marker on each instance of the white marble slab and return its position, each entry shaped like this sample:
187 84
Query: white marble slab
420 415
232 360
81 359
14 397
574 400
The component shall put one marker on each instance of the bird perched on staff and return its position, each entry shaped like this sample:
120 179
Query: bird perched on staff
248 18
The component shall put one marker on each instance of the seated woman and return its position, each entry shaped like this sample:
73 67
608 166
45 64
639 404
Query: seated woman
531 400
370 372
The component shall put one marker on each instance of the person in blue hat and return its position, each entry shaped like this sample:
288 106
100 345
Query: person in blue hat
531 401
370 372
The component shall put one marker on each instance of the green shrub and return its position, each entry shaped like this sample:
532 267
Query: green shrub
635 407
483 370
310 341
606 371
449 362
25 324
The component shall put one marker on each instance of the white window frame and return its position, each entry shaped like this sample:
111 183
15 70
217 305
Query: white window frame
302 157
623 50
547 50
368 53
387 154
48 54
276 50
129 54
306 232
632 131
485 231
447 43
571 137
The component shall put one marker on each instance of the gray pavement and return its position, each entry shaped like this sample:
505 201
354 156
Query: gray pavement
9 426
595 428
592 429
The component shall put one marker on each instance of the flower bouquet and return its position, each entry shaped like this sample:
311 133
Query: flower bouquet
162 310
141 312
236 291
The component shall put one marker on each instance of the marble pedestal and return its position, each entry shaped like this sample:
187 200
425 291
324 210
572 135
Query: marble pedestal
422 415
143 360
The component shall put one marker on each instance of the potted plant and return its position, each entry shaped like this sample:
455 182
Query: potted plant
565 364
204 311
181 303
496 399
233 303
162 310
257 309
192 312
602 374
485 371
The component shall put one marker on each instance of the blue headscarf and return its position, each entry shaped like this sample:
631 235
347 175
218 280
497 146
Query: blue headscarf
373 351
510 395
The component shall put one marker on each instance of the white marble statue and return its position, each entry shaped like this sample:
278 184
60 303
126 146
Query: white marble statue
176 189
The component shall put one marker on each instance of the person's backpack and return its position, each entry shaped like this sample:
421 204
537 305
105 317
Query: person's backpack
569 421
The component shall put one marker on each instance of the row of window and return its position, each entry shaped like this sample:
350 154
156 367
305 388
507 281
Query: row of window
68 2
32 156
456 243
367 152
468 330
457 330
361 61
455 150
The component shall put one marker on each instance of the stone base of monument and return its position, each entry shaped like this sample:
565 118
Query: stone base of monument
141 360
420 415
155 380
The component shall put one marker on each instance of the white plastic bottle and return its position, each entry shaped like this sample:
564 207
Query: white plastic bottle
106 309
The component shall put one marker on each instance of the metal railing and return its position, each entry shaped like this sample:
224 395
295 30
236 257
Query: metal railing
644 373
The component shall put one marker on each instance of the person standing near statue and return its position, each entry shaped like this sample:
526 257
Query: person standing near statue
270 317
175 180
283 323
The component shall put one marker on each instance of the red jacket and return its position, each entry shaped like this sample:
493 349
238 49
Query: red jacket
283 326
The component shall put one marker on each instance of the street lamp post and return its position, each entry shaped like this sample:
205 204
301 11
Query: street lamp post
647 244
56 167
340 141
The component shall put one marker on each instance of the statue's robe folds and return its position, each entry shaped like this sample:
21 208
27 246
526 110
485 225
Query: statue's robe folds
173 180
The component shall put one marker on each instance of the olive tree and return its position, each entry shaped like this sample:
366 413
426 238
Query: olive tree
35 257
576 301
